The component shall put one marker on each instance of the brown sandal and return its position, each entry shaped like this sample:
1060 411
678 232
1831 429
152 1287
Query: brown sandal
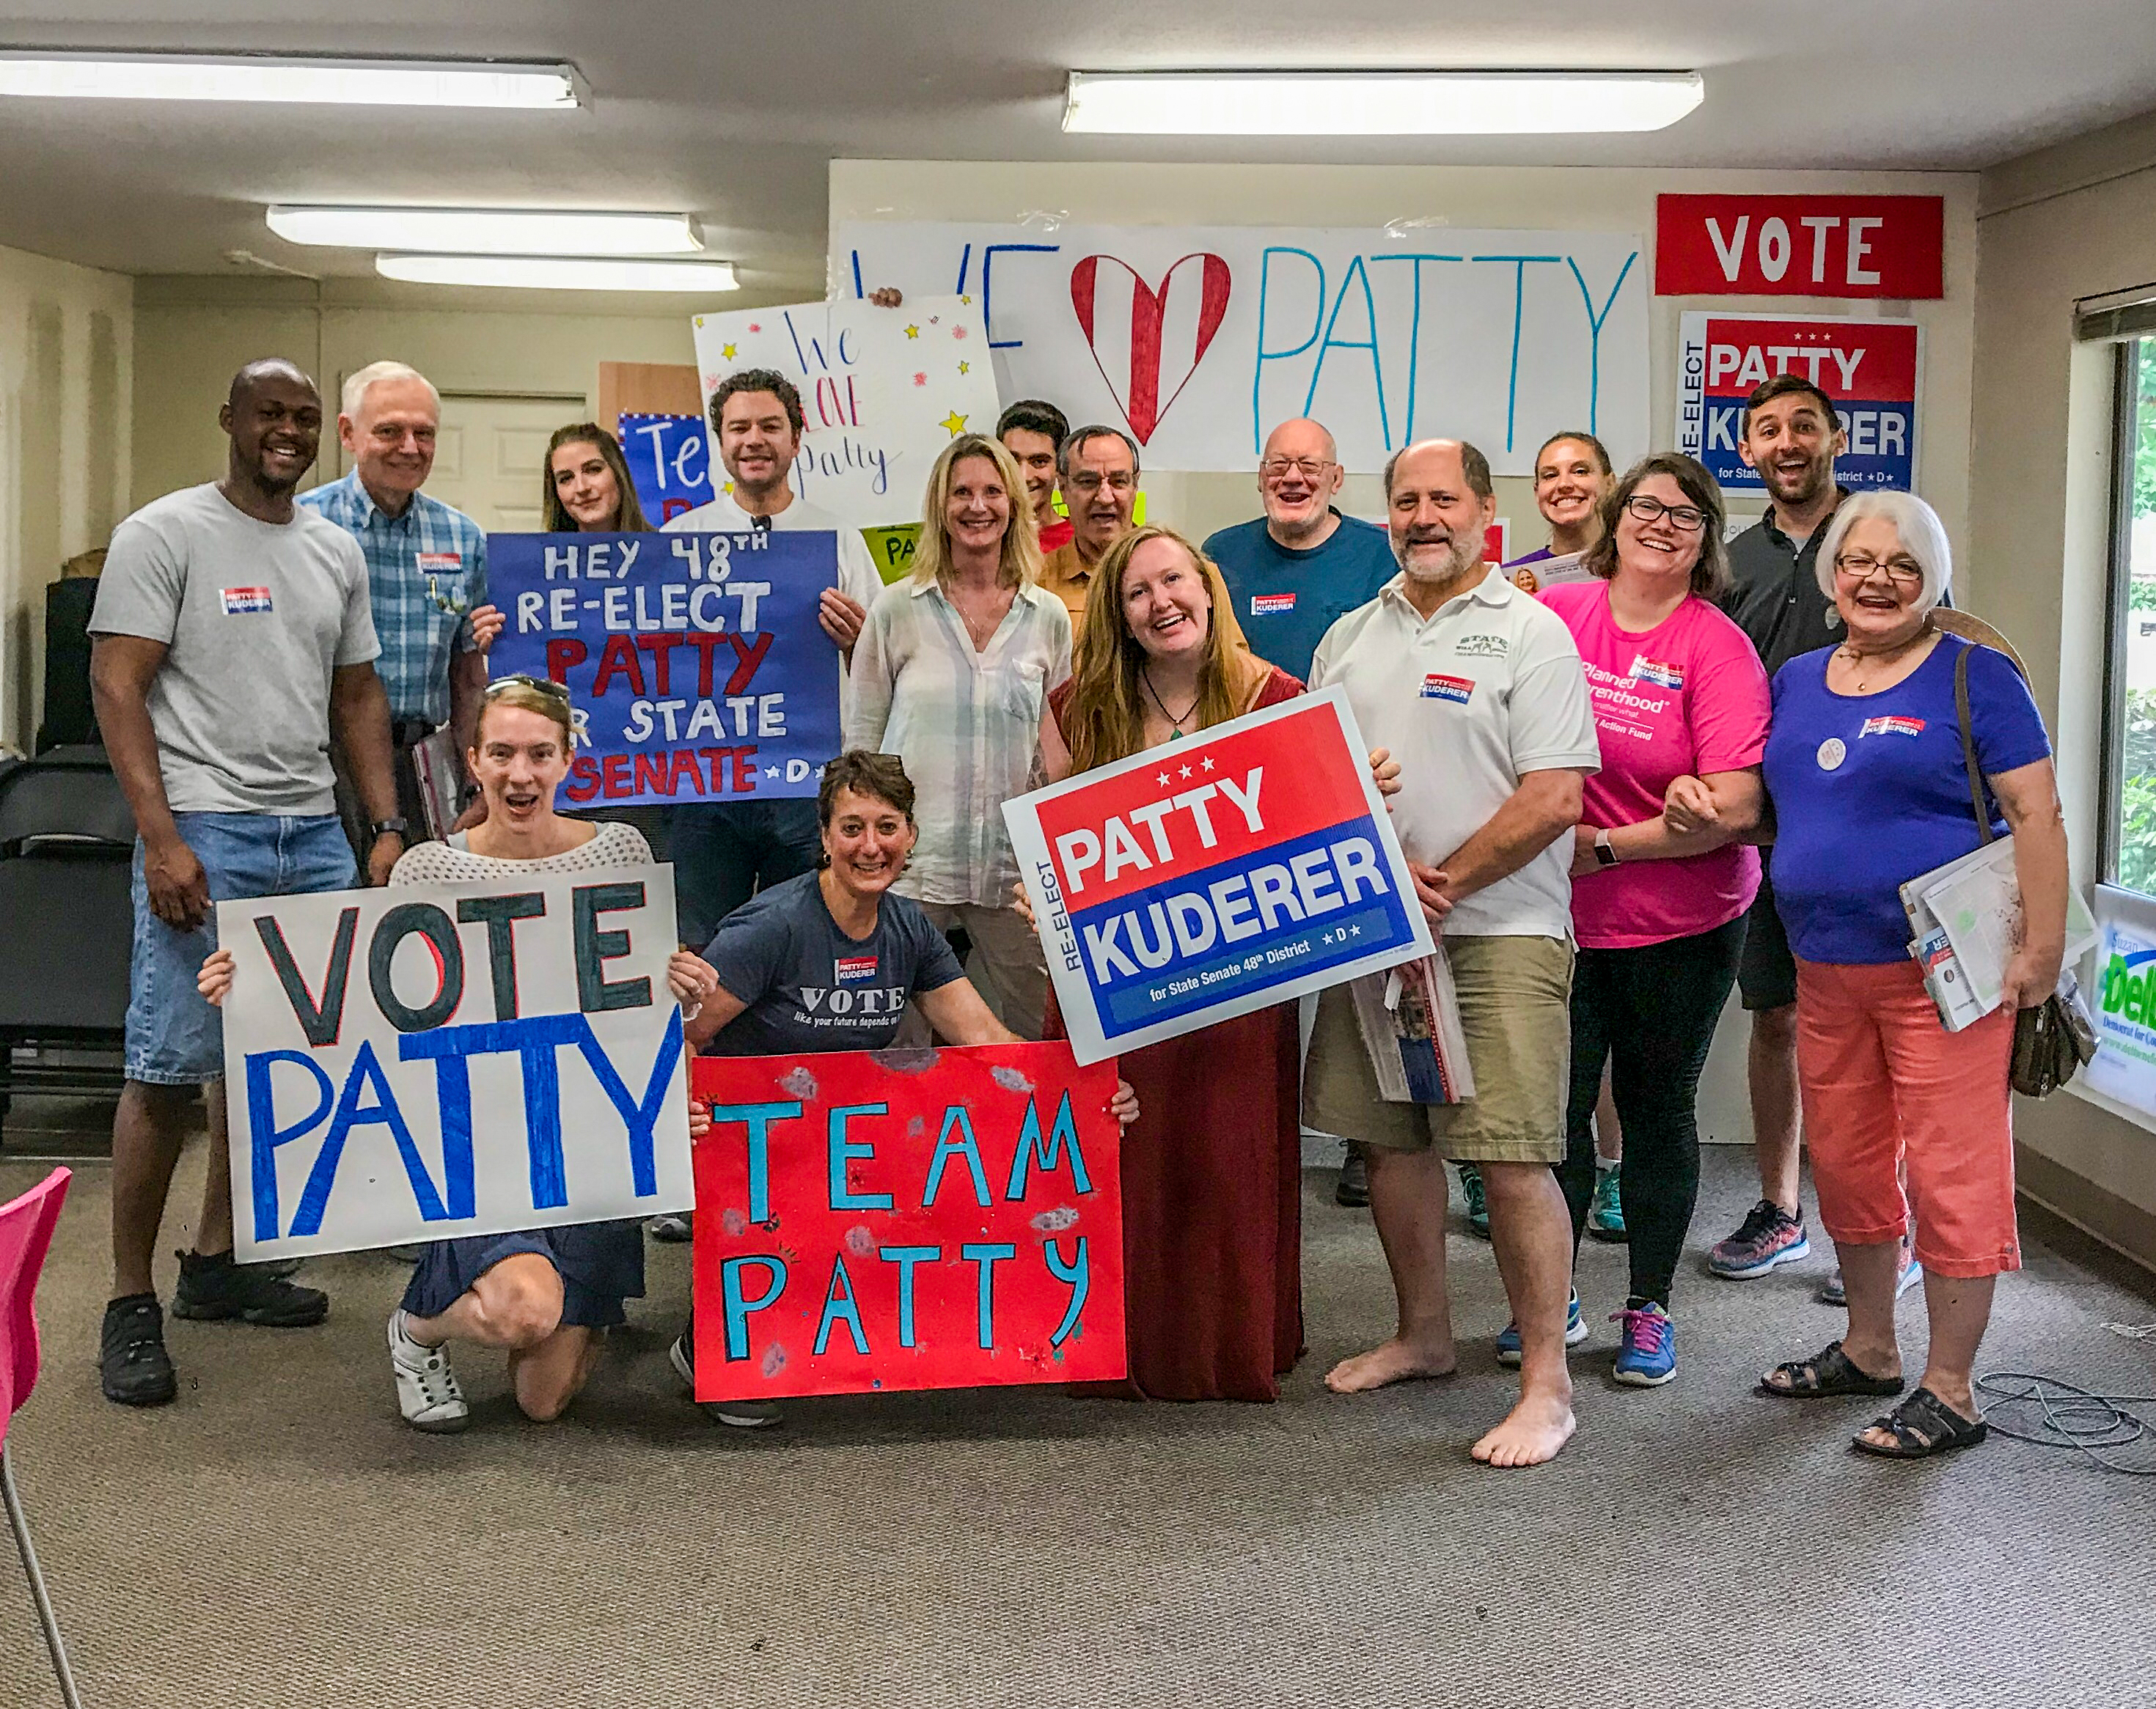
1826 1373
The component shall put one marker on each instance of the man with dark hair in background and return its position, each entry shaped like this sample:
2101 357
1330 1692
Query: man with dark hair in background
1097 469
232 647
1791 434
1033 432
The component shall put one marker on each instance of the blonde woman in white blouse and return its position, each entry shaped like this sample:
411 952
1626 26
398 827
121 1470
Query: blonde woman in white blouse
545 1295
951 673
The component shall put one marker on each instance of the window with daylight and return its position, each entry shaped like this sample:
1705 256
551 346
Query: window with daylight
2130 776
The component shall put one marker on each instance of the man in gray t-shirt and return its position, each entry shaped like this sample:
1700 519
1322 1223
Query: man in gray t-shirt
231 644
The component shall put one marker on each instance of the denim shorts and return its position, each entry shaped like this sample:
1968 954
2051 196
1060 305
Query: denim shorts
174 1038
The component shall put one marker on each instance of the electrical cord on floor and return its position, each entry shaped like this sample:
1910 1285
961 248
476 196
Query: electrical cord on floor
2065 1416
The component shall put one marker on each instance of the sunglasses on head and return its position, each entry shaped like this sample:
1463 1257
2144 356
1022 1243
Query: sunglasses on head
546 686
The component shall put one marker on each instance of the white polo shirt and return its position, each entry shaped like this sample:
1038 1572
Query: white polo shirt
1468 700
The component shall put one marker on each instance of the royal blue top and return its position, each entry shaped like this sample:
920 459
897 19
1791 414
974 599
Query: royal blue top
1871 790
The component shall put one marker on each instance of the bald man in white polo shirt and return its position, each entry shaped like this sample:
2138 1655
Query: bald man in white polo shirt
1478 691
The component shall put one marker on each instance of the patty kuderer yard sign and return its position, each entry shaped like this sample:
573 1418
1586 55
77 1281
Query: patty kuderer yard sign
1212 876
443 1060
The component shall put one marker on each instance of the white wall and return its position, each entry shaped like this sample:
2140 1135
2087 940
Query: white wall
2075 221
1565 199
192 334
66 344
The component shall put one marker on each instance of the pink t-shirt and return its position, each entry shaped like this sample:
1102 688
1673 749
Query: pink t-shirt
1686 698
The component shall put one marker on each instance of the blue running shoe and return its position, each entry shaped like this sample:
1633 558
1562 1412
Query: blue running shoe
1508 1338
1647 1355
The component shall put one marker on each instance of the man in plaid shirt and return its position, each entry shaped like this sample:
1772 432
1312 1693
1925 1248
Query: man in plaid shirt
426 566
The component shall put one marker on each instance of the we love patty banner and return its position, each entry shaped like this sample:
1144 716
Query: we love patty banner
437 1061
696 668
893 1219
1199 341
1212 876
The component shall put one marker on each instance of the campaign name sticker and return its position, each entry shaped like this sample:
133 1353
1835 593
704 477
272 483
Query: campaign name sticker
1646 670
238 602
440 563
1891 727
851 970
1873 370
1207 878
1458 690
1271 604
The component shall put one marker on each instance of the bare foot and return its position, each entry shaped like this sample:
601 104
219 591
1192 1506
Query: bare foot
1395 1361
1532 1432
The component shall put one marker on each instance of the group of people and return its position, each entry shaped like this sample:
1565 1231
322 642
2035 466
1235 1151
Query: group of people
1591 758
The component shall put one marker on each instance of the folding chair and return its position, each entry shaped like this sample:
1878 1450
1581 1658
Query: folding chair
26 1232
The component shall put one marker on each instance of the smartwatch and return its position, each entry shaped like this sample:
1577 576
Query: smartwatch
1604 855
385 827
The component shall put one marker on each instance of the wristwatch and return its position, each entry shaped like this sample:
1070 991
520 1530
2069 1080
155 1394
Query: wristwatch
385 827
1604 855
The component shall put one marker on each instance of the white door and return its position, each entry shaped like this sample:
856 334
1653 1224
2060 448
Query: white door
489 457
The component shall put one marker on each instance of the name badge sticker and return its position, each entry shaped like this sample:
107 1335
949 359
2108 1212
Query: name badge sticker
1457 690
440 563
852 970
1890 724
1654 670
240 601
1271 604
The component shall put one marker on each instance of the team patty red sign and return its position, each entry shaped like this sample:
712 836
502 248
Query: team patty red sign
885 1219
1872 369
1799 246
1208 877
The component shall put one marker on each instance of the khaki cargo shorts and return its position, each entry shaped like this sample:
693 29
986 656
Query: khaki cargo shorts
1516 1009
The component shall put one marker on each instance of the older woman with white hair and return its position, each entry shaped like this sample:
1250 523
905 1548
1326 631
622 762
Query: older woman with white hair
1867 772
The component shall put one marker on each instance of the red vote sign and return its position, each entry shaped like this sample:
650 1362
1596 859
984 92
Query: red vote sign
1808 246
877 1220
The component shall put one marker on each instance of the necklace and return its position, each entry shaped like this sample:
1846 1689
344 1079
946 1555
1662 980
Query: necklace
1857 661
1175 724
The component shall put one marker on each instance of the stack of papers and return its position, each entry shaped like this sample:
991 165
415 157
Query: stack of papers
1965 920
1409 1019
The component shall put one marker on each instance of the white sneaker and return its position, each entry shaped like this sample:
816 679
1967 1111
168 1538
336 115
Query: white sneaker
427 1391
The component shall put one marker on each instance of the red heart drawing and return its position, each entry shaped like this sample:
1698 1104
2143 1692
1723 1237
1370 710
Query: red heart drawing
1141 358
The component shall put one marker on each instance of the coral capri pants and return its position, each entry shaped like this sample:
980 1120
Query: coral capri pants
1889 1092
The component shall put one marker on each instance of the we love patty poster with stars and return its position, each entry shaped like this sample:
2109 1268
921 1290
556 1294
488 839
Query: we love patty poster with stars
695 666
883 391
1215 875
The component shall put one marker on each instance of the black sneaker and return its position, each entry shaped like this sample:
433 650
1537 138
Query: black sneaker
215 1287
1353 1188
737 1415
132 1364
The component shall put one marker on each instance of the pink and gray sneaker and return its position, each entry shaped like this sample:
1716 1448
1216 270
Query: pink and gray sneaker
1767 1236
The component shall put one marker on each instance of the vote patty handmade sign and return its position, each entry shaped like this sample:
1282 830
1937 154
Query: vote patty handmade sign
883 390
668 462
1210 877
1800 246
696 665
435 1060
906 1219
1873 370
1201 340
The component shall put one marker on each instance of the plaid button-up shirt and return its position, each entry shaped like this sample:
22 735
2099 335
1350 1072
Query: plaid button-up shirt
426 571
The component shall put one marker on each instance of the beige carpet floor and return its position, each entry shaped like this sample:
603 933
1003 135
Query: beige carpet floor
279 1538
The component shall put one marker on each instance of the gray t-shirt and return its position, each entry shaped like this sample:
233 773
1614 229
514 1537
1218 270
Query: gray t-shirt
810 987
256 615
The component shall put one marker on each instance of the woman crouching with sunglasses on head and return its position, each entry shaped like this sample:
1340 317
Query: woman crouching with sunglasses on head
545 1296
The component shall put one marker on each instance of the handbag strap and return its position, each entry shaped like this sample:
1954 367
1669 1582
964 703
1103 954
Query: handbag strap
1983 831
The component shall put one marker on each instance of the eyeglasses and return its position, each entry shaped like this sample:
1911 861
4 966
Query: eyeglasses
1309 468
1682 517
1118 481
546 686
1903 571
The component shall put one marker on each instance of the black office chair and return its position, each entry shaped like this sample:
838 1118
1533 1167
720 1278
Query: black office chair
66 840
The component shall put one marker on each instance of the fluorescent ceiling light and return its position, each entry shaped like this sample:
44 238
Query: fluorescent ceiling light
559 273
187 77
490 231
1376 103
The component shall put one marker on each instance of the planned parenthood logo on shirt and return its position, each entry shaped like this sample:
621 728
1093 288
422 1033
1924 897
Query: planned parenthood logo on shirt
1204 879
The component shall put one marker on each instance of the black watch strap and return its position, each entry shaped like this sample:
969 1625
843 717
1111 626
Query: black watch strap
384 826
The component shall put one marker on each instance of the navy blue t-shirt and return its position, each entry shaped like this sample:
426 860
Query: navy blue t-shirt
811 988
1286 598
1871 790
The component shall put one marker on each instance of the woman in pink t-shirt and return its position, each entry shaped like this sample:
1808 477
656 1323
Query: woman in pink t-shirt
1678 692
